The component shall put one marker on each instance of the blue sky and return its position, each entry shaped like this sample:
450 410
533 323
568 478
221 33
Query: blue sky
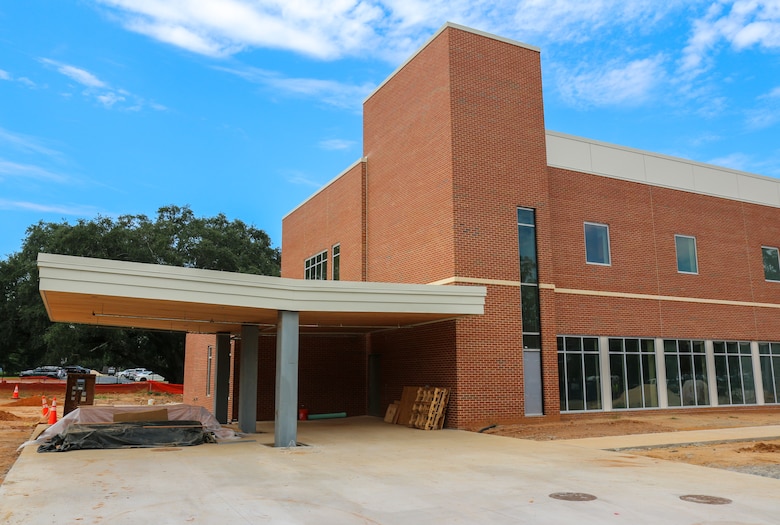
247 107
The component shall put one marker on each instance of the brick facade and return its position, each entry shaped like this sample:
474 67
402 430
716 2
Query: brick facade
454 143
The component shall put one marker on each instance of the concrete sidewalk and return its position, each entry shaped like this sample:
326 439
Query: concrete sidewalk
362 470
662 439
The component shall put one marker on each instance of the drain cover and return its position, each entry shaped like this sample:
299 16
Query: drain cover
573 496
706 500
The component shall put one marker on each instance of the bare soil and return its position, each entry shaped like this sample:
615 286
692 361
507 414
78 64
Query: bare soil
761 458
20 417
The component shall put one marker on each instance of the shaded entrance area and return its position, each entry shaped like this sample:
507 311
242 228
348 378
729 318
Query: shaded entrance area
135 295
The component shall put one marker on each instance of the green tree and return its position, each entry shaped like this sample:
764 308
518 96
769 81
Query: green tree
175 237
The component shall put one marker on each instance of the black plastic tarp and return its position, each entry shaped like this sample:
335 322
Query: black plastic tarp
135 434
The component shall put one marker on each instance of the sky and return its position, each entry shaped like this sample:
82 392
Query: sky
247 107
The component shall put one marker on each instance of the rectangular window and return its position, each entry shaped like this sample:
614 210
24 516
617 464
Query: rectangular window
734 373
597 243
686 373
686 254
579 373
316 266
633 373
769 355
771 263
336 262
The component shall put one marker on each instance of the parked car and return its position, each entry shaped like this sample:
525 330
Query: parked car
75 369
148 376
130 373
44 371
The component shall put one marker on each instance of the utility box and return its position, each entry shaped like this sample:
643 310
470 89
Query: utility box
80 391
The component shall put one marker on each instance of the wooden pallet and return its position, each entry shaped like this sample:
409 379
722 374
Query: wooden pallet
429 408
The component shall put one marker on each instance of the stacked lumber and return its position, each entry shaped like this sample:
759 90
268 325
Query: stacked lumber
419 407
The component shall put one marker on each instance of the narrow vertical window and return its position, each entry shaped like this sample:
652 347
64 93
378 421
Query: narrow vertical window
336 262
771 263
597 244
686 254
208 369
529 285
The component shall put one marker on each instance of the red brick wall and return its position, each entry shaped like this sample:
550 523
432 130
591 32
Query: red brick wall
195 364
195 371
499 163
407 140
331 375
643 221
332 216
419 356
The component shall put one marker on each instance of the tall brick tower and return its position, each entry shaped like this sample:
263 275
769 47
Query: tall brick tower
454 143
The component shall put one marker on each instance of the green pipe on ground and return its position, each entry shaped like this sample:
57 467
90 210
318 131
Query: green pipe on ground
332 415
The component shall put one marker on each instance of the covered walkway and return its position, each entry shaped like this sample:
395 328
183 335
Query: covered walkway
147 296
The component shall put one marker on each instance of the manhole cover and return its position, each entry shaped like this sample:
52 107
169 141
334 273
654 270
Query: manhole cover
573 496
707 500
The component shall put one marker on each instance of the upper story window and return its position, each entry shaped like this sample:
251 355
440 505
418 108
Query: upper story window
771 263
336 262
597 243
316 266
686 254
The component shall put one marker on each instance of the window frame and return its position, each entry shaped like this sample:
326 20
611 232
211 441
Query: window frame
335 251
315 268
763 263
695 254
609 244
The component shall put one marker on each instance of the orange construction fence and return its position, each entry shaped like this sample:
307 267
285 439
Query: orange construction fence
27 388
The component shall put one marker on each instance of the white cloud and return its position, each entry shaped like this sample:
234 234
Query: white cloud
336 144
300 179
626 84
29 171
767 112
328 91
388 29
5 75
741 24
735 161
109 99
63 209
82 76
99 90
25 143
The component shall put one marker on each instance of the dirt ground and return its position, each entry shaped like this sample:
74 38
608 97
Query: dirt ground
20 417
761 458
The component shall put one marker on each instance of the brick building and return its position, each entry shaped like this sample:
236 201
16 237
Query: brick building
616 279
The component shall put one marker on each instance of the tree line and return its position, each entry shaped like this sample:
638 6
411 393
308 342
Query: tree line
174 237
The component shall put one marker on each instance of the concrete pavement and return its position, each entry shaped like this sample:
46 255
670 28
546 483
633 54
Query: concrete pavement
362 470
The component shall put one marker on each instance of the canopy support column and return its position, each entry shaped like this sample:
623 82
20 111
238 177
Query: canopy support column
222 378
247 386
286 410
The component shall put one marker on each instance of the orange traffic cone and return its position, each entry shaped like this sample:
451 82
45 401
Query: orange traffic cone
16 392
44 406
53 411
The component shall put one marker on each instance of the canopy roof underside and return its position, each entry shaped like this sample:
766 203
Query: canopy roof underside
148 296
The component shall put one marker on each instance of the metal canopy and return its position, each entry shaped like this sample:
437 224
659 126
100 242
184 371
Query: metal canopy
125 294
